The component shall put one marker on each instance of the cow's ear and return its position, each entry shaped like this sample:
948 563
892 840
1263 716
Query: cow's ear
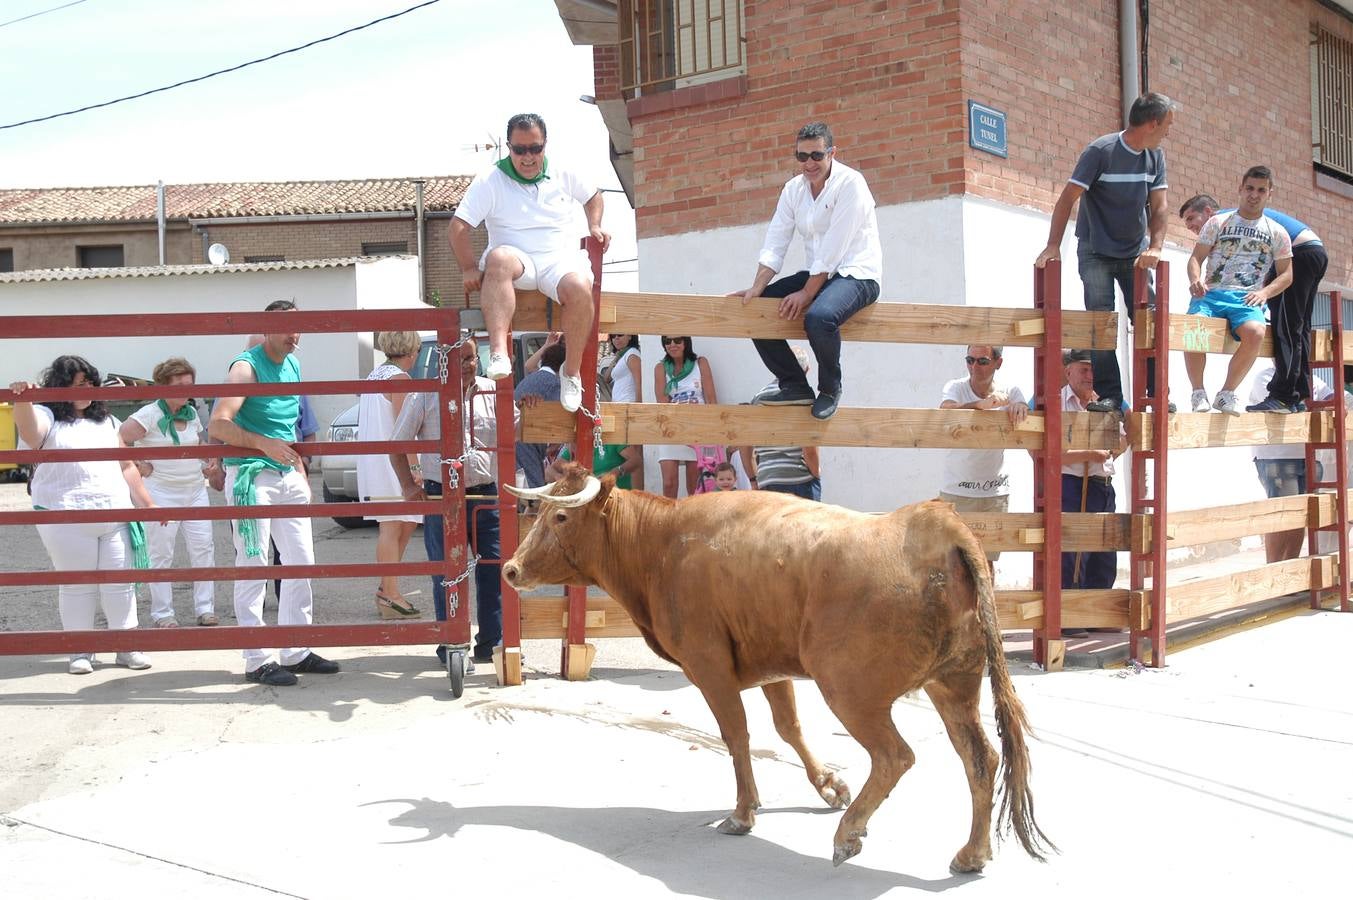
607 484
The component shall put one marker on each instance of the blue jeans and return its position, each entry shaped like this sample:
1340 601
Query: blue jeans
1098 275
481 518
840 298
1285 477
808 490
1098 569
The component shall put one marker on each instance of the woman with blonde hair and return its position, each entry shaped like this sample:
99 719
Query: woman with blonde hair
376 414
175 482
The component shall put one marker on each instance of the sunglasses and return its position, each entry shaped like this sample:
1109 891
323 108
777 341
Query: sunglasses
524 149
675 340
977 360
815 155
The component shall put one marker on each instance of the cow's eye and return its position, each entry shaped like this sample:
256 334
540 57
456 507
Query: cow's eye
560 517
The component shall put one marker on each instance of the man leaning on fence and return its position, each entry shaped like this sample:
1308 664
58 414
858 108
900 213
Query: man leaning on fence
270 477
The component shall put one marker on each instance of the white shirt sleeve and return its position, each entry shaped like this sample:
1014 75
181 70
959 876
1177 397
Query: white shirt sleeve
578 187
851 210
45 421
1017 396
953 391
148 417
477 203
780 232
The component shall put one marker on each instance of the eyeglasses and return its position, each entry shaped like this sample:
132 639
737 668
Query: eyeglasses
977 360
815 155
675 340
524 149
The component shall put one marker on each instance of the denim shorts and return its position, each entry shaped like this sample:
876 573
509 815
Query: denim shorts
1285 477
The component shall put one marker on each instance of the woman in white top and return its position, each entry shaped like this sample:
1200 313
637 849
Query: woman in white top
627 386
175 482
103 484
376 414
682 377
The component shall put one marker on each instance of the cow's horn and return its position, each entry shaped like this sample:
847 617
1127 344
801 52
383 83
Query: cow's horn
527 493
582 498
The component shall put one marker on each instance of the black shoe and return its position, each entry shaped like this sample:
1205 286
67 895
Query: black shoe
824 407
793 395
314 664
271 673
1107 406
1271 404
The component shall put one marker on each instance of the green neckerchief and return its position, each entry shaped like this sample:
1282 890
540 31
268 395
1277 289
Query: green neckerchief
186 413
505 164
245 473
674 379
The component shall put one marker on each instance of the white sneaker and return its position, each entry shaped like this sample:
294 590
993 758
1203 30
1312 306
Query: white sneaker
570 392
81 664
499 367
1200 401
1226 402
133 660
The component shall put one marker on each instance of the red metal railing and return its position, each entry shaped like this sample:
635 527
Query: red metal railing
455 631
1047 576
1338 442
1149 466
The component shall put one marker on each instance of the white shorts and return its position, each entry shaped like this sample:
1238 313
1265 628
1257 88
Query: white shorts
678 452
543 273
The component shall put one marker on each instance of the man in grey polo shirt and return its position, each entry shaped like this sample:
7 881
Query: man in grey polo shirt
1120 183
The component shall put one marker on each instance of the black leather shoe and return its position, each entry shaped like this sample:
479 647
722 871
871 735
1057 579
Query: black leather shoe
314 664
793 395
1107 406
824 407
271 673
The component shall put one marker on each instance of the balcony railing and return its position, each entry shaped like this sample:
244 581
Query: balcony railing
667 44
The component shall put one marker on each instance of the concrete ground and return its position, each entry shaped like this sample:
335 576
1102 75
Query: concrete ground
1225 772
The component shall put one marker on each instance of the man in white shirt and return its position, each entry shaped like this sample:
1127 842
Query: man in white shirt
530 213
976 480
830 206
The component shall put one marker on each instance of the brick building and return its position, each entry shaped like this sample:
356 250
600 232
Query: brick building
57 228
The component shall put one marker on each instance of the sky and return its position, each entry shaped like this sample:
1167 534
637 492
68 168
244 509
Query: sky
407 97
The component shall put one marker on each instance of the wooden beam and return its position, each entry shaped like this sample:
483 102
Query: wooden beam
1209 595
544 617
664 423
1080 609
1224 523
1204 334
1190 431
1085 532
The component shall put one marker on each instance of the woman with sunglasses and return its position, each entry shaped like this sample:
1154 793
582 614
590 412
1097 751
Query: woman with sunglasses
682 377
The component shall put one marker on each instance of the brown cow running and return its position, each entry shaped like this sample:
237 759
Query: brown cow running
751 589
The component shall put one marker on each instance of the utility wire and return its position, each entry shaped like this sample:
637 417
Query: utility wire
252 62
41 12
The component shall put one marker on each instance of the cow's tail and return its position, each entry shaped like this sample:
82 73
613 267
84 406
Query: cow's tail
1017 800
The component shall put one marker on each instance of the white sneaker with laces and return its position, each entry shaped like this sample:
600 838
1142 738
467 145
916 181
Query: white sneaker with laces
499 367
133 660
570 392
1200 401
1226 402
81 664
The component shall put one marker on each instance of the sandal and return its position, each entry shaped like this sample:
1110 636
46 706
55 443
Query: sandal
390 608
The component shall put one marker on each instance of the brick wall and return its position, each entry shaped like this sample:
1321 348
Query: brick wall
883 74
1243 80
606 71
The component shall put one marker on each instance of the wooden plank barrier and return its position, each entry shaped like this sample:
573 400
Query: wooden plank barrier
1224 523
543 617
664 423
1209 595
1205 334
1190 431
884 322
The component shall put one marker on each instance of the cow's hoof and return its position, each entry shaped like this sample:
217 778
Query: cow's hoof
846 850
964 864
731 825
836 792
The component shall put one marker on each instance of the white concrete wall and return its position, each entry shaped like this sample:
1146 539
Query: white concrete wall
380 283
956 251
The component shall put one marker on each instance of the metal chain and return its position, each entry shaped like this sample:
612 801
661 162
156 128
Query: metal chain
450 586
595 417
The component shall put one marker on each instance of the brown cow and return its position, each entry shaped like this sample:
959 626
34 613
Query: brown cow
750 589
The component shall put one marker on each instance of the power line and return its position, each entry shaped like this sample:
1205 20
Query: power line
41 12
252 62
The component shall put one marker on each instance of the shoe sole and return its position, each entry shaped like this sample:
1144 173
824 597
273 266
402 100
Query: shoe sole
806 401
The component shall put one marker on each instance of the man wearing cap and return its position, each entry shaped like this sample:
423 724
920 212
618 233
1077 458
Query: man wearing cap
1087 478
530 210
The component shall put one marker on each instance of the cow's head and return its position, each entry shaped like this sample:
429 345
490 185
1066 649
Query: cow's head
567 532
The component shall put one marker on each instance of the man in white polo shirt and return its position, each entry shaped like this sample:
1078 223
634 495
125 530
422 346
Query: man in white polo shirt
529 210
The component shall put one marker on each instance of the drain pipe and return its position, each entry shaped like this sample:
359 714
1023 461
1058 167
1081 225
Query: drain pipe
1129 55
159 216
419 226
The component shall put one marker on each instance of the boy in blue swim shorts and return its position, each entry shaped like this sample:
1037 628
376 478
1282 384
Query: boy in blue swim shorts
1240 248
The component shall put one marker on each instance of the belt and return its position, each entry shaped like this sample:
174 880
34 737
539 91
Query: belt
481 490
1097 479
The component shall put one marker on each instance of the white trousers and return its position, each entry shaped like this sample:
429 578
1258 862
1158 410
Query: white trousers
160 542
294 544
93 545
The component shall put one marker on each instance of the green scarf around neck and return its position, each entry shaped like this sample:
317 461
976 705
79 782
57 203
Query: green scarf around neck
505 164
186 413
674 377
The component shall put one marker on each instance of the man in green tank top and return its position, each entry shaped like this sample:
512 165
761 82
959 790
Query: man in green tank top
270 476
